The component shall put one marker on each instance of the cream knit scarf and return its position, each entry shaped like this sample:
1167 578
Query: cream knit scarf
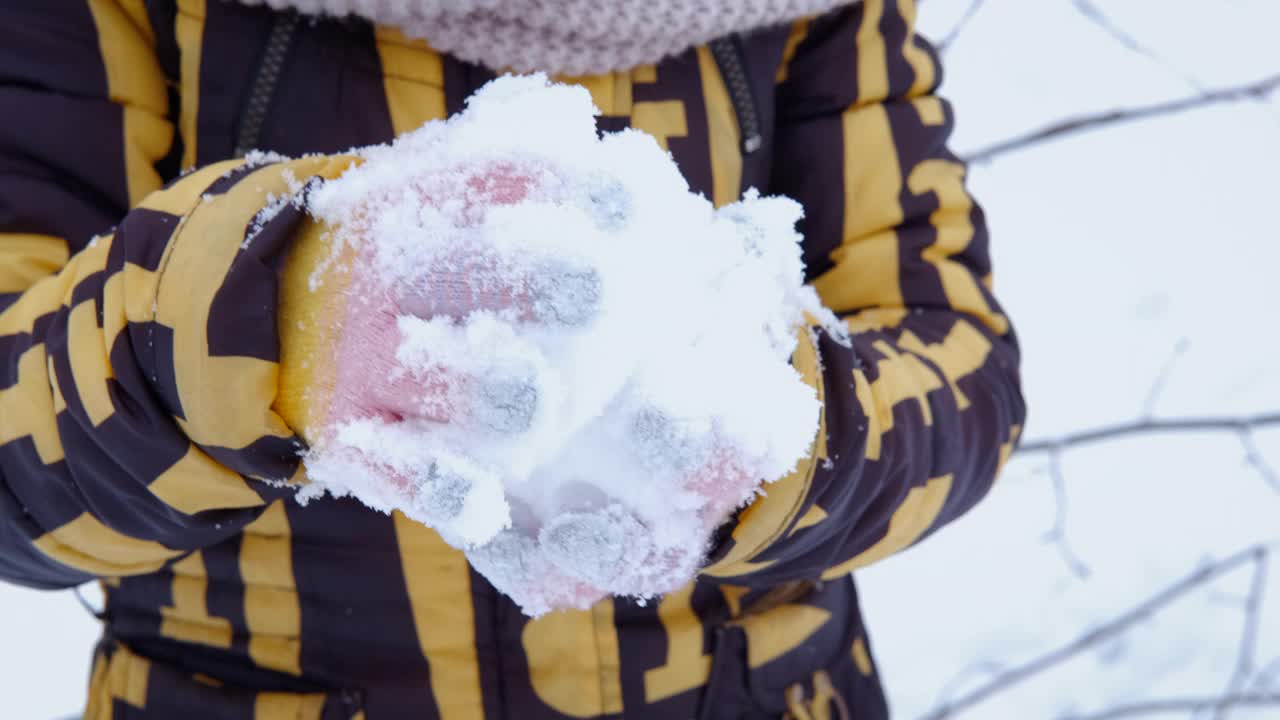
569 37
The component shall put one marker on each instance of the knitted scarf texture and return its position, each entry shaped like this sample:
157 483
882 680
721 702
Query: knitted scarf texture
564 37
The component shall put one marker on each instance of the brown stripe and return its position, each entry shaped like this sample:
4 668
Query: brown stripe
190 35
438 583
137 84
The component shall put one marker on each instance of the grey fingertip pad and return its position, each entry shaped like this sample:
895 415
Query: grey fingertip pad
596 546
506 404
664 445
565 294
442 494
610 203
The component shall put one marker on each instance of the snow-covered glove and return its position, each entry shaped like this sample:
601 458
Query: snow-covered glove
372 387
552 352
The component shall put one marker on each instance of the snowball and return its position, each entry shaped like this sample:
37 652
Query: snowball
648 341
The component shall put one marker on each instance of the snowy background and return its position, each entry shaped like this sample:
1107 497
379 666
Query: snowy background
1138 262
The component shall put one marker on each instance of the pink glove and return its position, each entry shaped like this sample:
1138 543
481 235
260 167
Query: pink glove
371 383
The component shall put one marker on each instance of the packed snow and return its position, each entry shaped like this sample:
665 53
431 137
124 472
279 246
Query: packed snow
575 329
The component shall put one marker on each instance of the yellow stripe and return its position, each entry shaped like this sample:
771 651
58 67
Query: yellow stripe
812 517
306 331
43 297
733 595
188 618
723 133
799 31
438 581
866 272
27 407
413 79
1006 448
768 516
226 400
919 60
272 611
902 376
871 319
88 545
823 693
26 258
687 666
610 656
929 108
861 658
180 197
872 62
662 119
962 352
945 179
135 82
197 483
647 74
772 634
97 705
611 92
190 37
282 706
127 297
124 678
909 521
566 650
90 366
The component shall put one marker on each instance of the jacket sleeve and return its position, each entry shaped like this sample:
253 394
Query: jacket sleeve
138 367
922 409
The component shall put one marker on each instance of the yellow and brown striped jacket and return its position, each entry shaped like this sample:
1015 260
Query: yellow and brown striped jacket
146 380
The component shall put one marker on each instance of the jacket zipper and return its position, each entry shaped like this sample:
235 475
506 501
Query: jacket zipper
264 83
728 55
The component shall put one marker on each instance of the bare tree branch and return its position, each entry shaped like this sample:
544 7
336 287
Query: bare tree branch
1151 426
1184 705
949 39
1246 660
1058 533
1258 90
1146 609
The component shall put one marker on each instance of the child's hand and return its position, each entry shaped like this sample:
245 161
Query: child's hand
359 369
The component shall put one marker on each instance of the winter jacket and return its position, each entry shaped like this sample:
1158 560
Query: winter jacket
146 378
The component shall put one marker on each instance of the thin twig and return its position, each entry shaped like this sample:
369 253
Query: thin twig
1182 706
1253 91
1157 387
1058 533
949 39
1141 612
1265 679
983 668
1151 426
1254 457
1246 660
1094 14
